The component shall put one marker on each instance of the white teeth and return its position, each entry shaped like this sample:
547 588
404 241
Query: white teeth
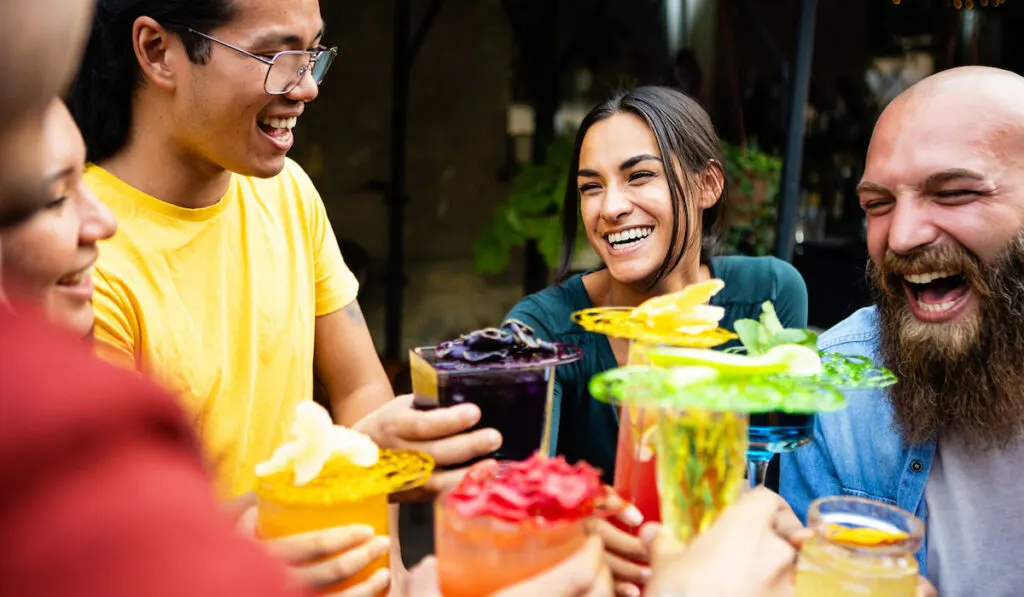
279 123
77 279
626 245
74 280
928 277
946 306
624 236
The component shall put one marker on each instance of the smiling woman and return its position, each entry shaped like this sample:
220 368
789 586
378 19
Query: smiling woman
48 258
648 184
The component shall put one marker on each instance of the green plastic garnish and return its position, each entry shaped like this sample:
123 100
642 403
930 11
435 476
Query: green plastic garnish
708 389
852 372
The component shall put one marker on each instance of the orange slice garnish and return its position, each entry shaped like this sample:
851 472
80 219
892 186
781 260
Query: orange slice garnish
863 537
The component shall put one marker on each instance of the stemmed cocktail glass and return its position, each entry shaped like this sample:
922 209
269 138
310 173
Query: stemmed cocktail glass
781 431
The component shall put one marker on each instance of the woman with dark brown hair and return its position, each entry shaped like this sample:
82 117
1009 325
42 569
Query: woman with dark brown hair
647 182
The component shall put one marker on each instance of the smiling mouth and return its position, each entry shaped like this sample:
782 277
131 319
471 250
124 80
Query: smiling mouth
76 279
936 292
277 128
625 239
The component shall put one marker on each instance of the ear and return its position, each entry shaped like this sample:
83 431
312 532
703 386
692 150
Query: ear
712 182
158 52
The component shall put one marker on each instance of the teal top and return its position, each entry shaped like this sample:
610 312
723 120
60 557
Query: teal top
585 429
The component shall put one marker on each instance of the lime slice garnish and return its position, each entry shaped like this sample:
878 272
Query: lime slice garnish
787 359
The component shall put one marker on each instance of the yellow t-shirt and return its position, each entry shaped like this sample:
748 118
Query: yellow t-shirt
219 305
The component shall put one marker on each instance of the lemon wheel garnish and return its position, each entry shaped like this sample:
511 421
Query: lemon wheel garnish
686 301
679 319
647 450
864 537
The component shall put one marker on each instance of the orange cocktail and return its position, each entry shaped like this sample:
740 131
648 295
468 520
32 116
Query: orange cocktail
511 521
329 476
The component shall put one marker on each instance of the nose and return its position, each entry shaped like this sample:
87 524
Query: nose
307 90
98 222
616 204
911 227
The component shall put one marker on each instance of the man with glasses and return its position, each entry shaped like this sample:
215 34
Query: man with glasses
225 273
225 282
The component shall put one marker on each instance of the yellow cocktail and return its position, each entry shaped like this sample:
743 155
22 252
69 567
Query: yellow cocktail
329 476
701 463
860 548
681 319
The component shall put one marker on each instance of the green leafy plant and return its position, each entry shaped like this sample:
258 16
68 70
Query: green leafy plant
753 178
532 211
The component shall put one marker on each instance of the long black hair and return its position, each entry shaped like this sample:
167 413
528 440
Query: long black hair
101 96
683 131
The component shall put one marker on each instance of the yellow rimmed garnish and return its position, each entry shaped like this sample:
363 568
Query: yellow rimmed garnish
681 318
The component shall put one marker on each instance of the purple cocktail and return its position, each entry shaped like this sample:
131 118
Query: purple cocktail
507 372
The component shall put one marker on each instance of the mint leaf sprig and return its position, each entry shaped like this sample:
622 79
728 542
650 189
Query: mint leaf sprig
758 337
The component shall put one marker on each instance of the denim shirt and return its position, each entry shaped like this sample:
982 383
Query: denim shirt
858 451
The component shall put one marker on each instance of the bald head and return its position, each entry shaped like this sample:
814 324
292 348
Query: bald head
40 43
968 105
969 118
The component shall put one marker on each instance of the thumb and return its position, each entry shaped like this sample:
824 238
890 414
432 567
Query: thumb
422 579
247 522
663 546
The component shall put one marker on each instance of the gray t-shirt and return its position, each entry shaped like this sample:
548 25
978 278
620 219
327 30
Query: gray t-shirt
976 521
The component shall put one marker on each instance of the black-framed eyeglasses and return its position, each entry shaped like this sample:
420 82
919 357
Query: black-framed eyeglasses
287 68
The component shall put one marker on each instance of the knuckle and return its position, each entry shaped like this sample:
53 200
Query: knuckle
344 566
322 544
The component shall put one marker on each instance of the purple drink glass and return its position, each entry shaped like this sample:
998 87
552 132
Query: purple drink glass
514 395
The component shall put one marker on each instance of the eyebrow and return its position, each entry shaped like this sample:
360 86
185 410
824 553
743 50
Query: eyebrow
870 187
57 176
952 174
287 39
933 180
626 165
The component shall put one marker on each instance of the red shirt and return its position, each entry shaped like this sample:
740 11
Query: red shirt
102 489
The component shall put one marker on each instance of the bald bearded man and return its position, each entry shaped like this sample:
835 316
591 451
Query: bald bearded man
943 190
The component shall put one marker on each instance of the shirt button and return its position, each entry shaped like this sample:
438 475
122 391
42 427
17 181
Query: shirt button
916 466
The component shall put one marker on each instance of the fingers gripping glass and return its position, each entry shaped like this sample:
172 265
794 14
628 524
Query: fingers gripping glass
287 68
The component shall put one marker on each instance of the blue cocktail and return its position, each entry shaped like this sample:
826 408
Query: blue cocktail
800 394
774 433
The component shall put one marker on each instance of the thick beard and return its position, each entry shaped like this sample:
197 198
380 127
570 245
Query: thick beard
962 380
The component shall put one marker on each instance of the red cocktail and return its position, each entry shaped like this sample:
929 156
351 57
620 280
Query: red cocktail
635 477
